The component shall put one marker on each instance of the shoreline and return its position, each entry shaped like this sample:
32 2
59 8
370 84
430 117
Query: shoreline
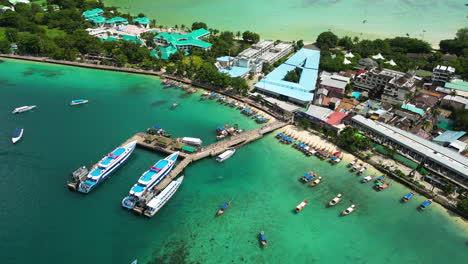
316 139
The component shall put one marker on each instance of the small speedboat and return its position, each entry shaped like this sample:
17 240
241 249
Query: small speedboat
383 186
301 206
174 105
263 239
78 102
17 135
135 261
23 109
349 210
223 208
425 204
362 170
335 200
316 182
351 164
407 197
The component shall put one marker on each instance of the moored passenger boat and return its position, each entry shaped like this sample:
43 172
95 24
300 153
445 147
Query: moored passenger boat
362 170
153 176
192 141
335 200
357 167
162 198
407 197
301 206
110 163
382 186
380 178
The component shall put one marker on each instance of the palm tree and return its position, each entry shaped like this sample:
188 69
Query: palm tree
435 112
408 96
153 22
238 34
182 27
427 125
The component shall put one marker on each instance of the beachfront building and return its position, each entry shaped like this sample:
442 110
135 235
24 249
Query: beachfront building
142 21
334 83
444 161
386 85
442 74
301 93
252 59
169 43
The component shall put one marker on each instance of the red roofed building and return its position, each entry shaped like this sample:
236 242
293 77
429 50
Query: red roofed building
335 118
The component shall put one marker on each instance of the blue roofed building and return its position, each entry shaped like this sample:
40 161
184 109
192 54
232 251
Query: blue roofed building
302 92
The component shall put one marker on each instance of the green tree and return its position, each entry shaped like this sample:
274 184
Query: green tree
462 205
293 75
121 60
326 40
171 69
240 85
462 34
460 118
198 25
250 37
346 42
304 123
4 46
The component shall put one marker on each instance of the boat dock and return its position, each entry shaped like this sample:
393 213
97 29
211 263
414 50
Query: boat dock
208 151
169 146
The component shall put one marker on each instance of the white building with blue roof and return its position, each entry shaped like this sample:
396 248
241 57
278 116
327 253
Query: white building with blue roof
302 92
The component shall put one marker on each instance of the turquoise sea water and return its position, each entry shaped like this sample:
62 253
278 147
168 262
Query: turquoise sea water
42 222
431 20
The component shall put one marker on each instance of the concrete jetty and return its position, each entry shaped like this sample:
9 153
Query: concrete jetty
169 146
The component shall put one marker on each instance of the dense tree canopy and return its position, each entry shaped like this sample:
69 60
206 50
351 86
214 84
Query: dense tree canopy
250 37
327 40
198 25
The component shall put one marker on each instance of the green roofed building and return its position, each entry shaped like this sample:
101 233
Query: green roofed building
109 39
413 109
92 13
189 149
117 21
97 20
170 43
457 85
144 21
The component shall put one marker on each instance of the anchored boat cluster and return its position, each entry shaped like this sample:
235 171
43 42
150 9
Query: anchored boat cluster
173 84
255 115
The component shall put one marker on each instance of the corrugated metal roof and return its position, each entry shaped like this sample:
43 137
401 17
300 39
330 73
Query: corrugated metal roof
413 109
457 85
439 154
318 112
449 136
235 71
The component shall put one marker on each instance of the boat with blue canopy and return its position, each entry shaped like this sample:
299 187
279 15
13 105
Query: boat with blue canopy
79 101
149 179
17 135
407 197
308 176
223 208
110 163
425 204
263 239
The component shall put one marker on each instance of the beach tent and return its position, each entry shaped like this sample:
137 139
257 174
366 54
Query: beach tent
378 57
349 55
346 61
391 62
